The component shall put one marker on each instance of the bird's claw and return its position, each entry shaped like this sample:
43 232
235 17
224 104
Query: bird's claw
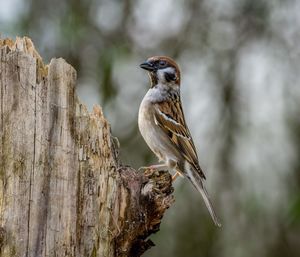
143 168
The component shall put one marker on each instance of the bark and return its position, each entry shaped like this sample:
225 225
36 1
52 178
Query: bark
63 191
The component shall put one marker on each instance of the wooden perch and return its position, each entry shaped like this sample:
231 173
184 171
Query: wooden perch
62 189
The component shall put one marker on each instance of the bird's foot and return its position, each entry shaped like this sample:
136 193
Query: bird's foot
158 167
143 168
176 175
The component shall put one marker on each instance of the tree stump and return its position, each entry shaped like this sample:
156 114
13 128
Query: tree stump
63 191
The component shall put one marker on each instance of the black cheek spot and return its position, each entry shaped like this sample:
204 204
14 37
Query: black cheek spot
170 77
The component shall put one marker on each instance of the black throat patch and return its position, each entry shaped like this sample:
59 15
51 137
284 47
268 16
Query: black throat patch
153 78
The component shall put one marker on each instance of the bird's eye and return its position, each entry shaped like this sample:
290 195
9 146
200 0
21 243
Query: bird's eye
162 63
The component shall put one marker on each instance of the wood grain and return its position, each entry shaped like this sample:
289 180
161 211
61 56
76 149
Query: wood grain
63 191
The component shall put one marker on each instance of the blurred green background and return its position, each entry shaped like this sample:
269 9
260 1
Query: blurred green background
241 95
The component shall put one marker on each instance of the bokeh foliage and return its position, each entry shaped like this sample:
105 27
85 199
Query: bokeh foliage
241 94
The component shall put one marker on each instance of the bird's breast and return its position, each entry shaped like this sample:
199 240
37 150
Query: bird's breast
152 133
146 119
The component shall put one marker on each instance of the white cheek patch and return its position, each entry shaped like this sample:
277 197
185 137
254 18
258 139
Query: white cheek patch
161 74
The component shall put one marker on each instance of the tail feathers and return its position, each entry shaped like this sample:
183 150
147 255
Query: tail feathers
198 183
208 204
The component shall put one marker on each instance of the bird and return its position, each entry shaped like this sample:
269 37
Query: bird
162 125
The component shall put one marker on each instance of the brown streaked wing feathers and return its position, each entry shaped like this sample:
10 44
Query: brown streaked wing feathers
169 116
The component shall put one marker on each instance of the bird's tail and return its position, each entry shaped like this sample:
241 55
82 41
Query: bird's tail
197 181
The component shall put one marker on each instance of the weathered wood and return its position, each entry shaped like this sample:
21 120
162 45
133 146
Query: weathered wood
62 189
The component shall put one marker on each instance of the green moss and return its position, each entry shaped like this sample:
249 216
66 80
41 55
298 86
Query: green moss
19 165
94 252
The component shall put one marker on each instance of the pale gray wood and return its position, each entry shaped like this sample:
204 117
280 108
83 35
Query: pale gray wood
62 190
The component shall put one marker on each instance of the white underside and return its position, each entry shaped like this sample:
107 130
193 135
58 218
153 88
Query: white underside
152 133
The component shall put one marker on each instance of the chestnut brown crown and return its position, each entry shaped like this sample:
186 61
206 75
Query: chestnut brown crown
162 68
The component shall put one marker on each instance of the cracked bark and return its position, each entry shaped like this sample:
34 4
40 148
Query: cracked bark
63 191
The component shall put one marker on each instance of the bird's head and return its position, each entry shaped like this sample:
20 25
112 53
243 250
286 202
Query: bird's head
162 70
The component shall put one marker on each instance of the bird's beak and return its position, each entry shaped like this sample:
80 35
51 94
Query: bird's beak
147 66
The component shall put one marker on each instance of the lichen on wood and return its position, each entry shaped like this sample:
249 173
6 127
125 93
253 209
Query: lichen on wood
63 191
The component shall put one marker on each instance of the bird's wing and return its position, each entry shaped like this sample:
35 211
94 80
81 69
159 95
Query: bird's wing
169 116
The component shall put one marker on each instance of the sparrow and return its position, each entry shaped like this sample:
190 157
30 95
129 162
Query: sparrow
162 125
